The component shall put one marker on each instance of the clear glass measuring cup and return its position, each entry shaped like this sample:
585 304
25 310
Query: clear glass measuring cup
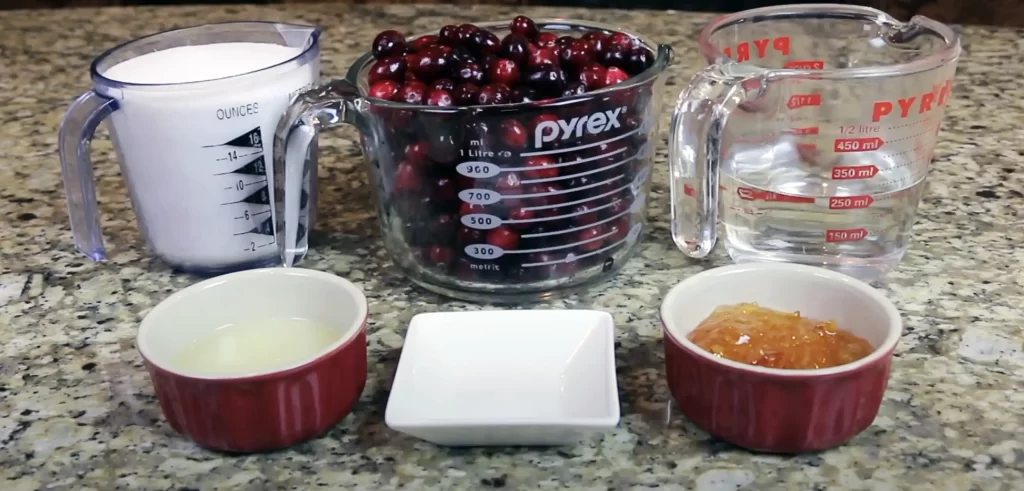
196 155
810 135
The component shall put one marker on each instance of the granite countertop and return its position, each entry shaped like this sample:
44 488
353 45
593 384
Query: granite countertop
77 411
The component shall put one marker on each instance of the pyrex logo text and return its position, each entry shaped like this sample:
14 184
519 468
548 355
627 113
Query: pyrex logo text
549 131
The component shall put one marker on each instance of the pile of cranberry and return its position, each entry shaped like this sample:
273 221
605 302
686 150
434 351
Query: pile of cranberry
468 66
566 200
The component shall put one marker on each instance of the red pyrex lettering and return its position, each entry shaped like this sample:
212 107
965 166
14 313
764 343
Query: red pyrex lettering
850 202
748 194
761 48
600 122
924 103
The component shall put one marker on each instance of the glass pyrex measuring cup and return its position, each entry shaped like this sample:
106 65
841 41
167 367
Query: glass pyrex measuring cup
195 152
497 203
810 135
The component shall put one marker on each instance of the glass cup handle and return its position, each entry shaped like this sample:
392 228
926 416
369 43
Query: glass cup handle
75 142
694 152
320 107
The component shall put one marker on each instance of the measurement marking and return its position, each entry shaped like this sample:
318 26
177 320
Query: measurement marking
240 217
265 245
581 256
581 147
559 217
243 233
570 176
849 172
584 200
255 182
797 101
915 123
576 229
261 212
850 202
846 235
229 187
805 65
564 246
567 164
564 191
847 145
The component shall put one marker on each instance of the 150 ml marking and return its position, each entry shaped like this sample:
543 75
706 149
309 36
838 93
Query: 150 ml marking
846 234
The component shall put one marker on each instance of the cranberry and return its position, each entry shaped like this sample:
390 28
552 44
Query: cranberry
541 167
617 207
470 208
591 236
466 94
542 57
593 76
388 43
444 225
508 184
406 178
443 84
619 229
610 56
565 41
523 94
493 94
431 62
614 76
546 40
637 60
581 53
594 36
503 71
485 43
441 145
547 80
584 214
424 42
524 26
460 55
469 73
541 118
449 35
413 92
574 88
521 213
467 236
441 256
392 68
513 134
516 48
385 89
503 237
444 189
553 194
466 32
440 98
621 39
416 153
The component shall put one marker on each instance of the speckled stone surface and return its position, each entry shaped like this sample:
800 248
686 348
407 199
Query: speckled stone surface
77 412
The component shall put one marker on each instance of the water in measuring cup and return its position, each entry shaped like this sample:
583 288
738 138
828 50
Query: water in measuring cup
196 63
852 212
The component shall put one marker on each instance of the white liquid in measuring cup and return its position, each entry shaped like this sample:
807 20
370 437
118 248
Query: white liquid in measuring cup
258 346
197 157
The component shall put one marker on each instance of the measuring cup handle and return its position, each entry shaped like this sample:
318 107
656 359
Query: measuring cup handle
294 165
74 144
694 153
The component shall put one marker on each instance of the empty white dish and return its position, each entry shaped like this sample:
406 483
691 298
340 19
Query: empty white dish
508 377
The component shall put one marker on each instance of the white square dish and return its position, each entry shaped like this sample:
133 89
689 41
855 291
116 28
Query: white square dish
506 377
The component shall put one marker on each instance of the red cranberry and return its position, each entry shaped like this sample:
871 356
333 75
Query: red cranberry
385 89
614 76
523 94
553 194
593 76
637 60
583 214
449 35
503 237
503 71
413 92
442 84
444 225
513 134
406 178
594 36
441 256
508 184
574 88
621 39
388 43
423 42
431 62
565 41
416 153
470 208
618 207
591 234
547 80
541 118
521 213
546 40
444 189
516 48
541 167
610 56
466 94
493 94
485 43
440 98
581 53
542 57
469 73
523 26
619 229
392 68
466 32
468 236
460 55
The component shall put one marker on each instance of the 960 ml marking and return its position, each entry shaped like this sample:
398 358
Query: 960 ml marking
803 100
849 202
846 235
847 172
858 144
